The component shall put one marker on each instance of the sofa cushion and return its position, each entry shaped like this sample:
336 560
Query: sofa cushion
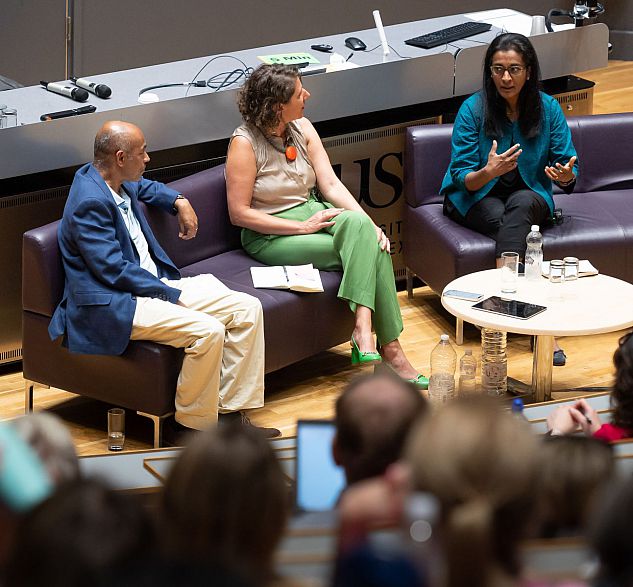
296 325
207 193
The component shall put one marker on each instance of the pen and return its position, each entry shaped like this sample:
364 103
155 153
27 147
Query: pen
350 56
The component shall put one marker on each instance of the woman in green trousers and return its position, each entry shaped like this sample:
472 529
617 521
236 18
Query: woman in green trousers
293 209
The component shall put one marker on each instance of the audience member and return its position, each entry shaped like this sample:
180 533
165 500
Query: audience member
85 534
24 482
612 536
481 464
581 416
225 504
373 417
573 471
50 439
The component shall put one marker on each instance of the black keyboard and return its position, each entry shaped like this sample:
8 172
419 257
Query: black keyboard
453 33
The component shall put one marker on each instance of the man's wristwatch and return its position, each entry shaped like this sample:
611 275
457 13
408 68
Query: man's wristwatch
178 197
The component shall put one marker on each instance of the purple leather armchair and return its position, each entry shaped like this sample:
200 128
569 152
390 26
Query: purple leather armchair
143 379
598 215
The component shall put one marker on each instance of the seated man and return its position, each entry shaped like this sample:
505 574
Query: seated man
122 286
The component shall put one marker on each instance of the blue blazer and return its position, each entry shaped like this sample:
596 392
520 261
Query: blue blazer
471 145
103 275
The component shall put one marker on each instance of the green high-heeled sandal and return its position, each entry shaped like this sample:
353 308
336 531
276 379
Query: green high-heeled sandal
360 358
420 382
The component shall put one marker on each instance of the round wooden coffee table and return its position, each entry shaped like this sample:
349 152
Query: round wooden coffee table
589 305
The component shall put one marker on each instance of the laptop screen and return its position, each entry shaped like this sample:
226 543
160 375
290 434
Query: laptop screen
319 480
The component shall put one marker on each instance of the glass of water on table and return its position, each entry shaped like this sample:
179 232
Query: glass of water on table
509 272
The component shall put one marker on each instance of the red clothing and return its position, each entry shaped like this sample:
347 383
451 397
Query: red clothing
611 433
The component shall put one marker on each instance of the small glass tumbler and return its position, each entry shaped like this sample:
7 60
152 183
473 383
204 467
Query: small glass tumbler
116 429
556 271
10 116
509 272
571 268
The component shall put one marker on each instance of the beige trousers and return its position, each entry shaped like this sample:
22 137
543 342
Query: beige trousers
222 332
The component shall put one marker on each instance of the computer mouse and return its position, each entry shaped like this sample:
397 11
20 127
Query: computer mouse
355 44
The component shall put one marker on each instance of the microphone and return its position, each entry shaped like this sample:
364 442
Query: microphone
66 113
381 34
76 94
99 90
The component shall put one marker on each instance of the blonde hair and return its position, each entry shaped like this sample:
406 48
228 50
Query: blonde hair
481 464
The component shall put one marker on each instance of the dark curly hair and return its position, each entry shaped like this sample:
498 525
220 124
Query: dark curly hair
622 395
529 105
268 87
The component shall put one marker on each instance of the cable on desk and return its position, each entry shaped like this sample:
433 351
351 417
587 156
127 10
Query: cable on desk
224 79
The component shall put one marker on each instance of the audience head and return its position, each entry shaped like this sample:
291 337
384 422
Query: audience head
622 394
81 534
52 442
612 535
507 50
573 471
119 149
226 503
265 92
374 415
481 464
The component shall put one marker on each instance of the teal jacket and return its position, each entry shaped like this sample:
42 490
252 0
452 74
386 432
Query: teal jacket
470 148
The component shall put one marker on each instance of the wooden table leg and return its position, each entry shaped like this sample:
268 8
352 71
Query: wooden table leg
542 368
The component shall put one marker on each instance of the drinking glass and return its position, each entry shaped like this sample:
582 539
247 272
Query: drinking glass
116 429
556 271
509 272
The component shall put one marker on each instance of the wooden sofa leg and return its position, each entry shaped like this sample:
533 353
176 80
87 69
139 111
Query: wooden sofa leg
459 332
158 426
28 396
409 277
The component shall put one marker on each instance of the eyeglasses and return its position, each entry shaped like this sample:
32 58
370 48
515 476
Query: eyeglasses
513 70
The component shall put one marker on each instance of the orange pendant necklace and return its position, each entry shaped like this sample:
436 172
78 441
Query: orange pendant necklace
289 150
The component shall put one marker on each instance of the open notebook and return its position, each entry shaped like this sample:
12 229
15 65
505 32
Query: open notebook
303 278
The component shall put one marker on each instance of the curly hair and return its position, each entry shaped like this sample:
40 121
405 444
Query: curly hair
622 395
530 109
268 87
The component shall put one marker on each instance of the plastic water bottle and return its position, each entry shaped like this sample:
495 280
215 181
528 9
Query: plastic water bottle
494 362
517 409
467 373
534 254
443 363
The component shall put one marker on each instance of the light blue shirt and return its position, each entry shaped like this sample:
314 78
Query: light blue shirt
124 204
471 146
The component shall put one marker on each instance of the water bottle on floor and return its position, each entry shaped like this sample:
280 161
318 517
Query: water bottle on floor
467 373
517 409
443 363
534 254
494 362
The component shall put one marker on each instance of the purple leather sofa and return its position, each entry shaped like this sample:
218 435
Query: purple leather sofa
598 215
143 379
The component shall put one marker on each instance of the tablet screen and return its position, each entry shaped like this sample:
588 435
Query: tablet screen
319 480
512 308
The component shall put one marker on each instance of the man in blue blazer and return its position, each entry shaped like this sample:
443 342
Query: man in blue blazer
121 286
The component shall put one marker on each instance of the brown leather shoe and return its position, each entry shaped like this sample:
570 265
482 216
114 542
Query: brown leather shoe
241 419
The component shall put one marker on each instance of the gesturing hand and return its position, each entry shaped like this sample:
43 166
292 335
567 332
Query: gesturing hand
319 220
561 173
500 163
383 240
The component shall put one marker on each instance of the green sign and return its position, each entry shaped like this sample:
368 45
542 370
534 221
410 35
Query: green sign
288 58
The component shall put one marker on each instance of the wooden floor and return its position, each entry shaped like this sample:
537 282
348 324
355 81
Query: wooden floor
309 389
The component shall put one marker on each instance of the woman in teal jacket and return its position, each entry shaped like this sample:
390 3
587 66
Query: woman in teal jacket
510 142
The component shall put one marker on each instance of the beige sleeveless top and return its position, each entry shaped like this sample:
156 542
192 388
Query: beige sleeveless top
279 184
